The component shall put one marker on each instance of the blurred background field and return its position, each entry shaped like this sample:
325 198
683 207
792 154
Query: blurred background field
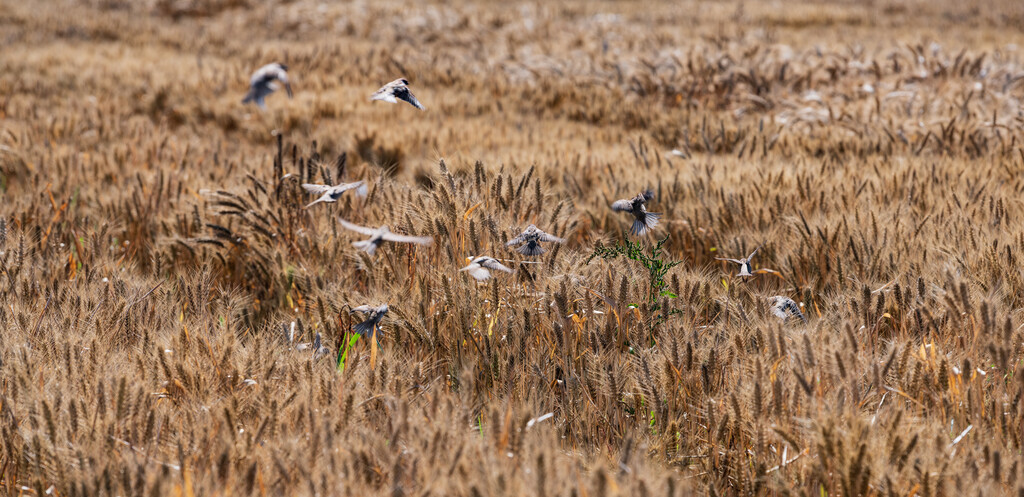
153 260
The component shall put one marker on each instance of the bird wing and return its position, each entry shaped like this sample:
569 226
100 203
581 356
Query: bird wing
344 187
317 189
282 76
623 205
260 75
323 198
403 93
358 229
495 265
362 308
544 237
737 261
517 240
648 195
258 90
395 237
751 256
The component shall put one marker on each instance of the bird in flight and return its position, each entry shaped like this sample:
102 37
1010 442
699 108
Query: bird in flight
379 235
744 263
369 327
263 83
330 193
395 91
637 206
373 316
480 268
785 307
530 240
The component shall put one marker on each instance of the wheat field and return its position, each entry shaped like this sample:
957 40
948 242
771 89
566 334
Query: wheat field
155 252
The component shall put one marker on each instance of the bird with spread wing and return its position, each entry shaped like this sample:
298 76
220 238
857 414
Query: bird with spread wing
330 193
395 91
530 239
379 235
480 268
264 82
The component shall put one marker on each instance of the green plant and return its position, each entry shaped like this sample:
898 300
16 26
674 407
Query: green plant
343 352
653 263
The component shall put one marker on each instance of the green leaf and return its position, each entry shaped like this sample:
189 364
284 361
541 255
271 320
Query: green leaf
669 294
344 353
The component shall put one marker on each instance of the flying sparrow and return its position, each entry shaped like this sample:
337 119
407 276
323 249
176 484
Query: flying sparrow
480 268
263 83
379 235
637 206
532 238
744 263
395 91
333 193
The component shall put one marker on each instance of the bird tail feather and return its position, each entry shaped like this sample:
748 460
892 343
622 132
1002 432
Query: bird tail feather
366 245
364 327
642 225
531 249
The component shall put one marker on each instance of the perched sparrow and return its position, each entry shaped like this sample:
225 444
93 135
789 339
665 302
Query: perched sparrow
374 315
395 91
637 206
263 83
333 193
479 268
532 238
785 307
379 235
744 263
